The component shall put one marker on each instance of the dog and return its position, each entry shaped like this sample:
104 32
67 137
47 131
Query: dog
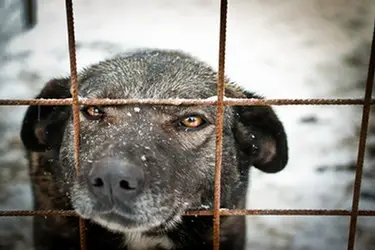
143 166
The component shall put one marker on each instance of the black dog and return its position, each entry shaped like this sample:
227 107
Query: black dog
143 166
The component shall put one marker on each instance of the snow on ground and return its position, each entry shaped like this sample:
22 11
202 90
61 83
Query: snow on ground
281 49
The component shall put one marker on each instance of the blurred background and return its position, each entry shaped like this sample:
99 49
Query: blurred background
280 49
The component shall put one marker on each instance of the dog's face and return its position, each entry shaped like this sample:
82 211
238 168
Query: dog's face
143 166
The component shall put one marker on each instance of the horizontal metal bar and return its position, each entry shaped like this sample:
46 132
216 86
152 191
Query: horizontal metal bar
210 101
63 213
223 212
308 212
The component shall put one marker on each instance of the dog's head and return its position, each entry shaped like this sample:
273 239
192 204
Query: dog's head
143 166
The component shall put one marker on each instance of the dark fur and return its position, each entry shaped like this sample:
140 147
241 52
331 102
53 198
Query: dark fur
179 166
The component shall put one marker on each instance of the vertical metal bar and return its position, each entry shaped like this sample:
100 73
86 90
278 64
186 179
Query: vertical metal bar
362 145
75 104
30 13
219 124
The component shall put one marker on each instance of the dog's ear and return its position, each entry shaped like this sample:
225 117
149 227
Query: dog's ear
261 136
43 126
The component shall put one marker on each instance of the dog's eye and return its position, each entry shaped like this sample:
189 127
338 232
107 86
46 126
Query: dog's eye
93 112
192 122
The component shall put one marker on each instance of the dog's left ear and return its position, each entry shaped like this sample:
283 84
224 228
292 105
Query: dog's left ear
261 136
43 126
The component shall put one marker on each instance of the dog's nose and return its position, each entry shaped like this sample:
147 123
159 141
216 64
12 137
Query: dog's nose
114 180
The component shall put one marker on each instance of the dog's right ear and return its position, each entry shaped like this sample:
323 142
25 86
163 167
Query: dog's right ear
43 126
261 136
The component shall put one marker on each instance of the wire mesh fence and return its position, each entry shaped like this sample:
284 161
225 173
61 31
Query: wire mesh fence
220 101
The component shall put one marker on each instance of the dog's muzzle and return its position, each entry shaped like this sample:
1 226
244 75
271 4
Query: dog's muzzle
114 182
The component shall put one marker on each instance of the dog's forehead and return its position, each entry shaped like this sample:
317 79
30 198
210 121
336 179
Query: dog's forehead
149 74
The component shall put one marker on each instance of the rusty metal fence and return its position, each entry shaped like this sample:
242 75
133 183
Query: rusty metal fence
366 103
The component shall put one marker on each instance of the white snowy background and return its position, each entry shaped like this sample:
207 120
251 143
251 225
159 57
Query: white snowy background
280 49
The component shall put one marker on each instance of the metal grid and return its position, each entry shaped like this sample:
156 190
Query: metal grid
220 103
